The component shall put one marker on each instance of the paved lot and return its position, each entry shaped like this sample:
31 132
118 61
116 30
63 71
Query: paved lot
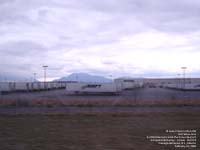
136 94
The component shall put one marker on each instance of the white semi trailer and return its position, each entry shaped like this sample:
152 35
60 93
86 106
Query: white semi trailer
22 86
188 86
6 87
129 83
94 88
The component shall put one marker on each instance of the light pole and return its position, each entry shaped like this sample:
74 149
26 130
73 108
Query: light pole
45 75
178 81
34 75
76 78
183 68
111 77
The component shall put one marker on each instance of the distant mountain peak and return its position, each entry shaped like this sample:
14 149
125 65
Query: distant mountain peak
85 77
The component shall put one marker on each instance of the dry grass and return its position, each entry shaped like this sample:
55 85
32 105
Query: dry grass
89 133
96 103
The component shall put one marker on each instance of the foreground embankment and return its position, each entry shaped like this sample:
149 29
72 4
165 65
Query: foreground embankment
93 132
55 120
101 110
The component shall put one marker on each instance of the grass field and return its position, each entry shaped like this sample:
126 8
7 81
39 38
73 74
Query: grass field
90 132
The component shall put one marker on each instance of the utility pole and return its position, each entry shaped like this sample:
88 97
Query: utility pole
111 77
34 79
45 75
76 78
178 81
184 69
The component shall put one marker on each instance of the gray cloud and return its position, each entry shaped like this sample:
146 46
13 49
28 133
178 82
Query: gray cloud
21 48
78 35
6 1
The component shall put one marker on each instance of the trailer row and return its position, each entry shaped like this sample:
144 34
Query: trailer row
129 83
94 88
115 87
8 87
186 87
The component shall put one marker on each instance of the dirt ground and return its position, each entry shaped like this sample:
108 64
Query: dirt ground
91 132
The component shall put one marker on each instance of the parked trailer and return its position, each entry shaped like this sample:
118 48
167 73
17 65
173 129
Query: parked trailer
7 87
35 86
59 85
75 87
129 83
48 85
52 85
187 87
56 84
94 88
63 85
43 86
22 87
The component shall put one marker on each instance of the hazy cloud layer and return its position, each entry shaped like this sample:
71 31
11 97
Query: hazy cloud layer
108 37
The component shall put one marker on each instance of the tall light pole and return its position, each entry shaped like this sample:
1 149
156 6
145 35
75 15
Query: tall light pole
76 78
183 68
111 77
34 75
178 81
45 75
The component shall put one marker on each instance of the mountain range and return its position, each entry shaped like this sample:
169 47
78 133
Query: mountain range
84 77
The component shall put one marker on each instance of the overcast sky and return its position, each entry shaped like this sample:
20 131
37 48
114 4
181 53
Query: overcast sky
140 38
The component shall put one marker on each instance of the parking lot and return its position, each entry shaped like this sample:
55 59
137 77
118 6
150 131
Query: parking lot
135 94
